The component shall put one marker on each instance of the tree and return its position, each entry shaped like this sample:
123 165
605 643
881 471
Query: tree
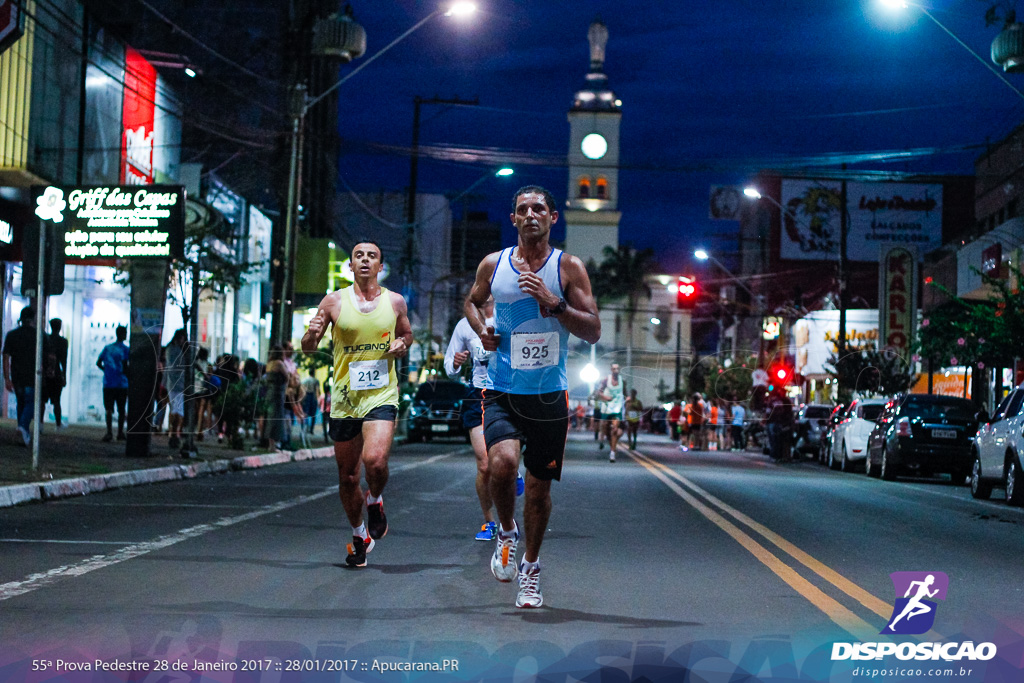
623 275
210 242
870 371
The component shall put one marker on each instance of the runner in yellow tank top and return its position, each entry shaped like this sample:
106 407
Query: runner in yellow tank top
371 329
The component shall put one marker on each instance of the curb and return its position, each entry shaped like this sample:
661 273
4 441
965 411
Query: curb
18 494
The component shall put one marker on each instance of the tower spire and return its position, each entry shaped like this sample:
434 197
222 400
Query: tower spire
598 36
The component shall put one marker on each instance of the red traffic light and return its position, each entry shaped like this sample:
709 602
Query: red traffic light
686 292
782 374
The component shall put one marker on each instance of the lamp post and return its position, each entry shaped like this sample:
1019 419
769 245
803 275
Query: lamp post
903 4
353 44
756 299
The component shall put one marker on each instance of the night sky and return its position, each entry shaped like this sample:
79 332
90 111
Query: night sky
712 92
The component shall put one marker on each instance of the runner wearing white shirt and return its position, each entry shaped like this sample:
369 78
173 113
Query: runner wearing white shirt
465 344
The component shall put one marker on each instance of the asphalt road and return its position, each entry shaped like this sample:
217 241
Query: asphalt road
721 564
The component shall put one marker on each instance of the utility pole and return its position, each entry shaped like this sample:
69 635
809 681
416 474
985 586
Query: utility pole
843 229
410 207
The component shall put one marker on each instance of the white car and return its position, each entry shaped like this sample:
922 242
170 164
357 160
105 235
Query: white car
997 451
850 438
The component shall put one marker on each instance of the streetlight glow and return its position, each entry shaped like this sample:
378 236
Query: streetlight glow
190 72
655 321
701 254
460 9
752 192
589 373
505 171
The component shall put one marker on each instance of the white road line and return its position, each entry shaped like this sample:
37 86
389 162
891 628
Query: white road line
42 579
171 505
53 540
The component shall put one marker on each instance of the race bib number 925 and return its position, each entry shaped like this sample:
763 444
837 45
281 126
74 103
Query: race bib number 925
531 351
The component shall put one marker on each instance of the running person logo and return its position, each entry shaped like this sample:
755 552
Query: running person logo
914 612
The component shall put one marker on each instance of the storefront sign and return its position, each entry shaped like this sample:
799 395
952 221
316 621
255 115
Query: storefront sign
138 115
11 24
908 214
116 222
898 297
260 230
6 232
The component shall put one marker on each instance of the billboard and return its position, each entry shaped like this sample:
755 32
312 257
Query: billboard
122 221
138 115
909 214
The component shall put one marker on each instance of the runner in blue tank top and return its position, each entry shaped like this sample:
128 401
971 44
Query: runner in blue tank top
541 296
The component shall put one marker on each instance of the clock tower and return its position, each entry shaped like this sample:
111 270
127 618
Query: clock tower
591 206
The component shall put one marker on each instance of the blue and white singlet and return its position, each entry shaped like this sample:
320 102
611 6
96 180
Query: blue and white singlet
533 347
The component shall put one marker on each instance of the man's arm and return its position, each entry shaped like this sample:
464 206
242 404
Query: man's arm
580 316
99 360
478 296
403 328
318 325
457 352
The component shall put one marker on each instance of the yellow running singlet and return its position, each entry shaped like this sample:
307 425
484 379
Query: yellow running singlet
364 378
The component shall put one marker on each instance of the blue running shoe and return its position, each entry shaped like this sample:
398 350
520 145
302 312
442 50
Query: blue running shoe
520 484
487 531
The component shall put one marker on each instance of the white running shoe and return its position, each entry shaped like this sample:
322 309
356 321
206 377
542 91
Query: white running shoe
503 561
529 588
611 457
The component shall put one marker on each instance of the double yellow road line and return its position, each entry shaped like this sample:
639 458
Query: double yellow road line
718 513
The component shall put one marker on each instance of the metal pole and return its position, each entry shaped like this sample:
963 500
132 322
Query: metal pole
679 352
188 446
282 326
38 387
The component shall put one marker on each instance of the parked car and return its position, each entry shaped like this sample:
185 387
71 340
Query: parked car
825 438
436 411
850 439
997 451
923 434
809 422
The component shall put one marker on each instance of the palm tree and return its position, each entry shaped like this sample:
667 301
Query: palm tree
623 275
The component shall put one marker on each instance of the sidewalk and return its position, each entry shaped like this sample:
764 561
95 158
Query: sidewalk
75 461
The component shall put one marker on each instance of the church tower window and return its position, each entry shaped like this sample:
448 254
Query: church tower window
584 188
602 188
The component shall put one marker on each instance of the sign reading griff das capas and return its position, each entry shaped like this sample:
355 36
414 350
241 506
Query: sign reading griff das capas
122 221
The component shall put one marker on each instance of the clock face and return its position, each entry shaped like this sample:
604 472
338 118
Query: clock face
594 146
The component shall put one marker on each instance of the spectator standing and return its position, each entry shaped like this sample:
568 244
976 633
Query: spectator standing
113 361
696 422
780 426
634 409
175 365
55 370
20 368
675 418
739 440
311 400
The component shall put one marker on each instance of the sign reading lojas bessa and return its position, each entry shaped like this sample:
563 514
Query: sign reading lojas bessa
121 221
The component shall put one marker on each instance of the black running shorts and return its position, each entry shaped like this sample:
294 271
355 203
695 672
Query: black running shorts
348 428
538 421
473 409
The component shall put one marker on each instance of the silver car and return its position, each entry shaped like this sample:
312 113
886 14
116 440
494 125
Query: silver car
997 451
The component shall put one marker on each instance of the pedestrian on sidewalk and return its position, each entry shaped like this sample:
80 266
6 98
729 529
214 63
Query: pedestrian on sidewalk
20 368
176 363
113 361
310 401
55 370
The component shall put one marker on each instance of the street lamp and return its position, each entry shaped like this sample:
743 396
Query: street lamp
903 4
300 105
703 255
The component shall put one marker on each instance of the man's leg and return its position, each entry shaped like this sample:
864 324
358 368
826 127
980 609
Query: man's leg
536 512
108 407
503 466
378 436
121 401
347 457
55 398
483 479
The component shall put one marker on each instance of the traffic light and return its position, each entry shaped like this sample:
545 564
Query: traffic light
686 293
779 375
